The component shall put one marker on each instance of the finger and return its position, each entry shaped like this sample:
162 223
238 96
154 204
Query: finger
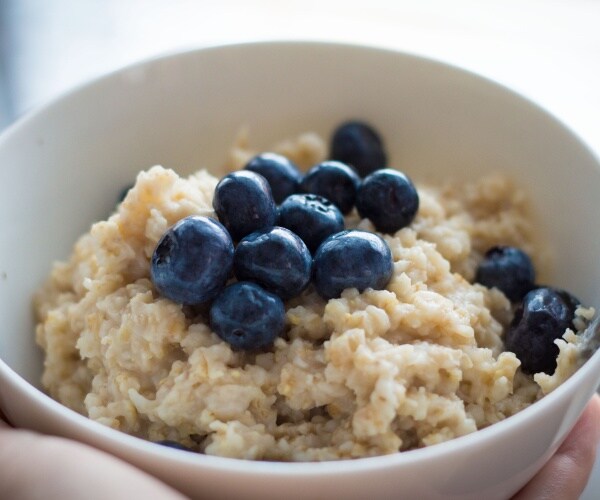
4 421
567 472
36 466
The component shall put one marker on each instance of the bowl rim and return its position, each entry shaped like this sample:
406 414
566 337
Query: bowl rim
279 44
324 468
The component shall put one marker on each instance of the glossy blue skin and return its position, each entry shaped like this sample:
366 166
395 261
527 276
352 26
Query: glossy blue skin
276 259
389 199
542 318
192 260
244 203
335 181
509 269
358 144
281 174
247 317
312 217
352 259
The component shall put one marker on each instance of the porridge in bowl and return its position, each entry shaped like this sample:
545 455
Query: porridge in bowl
416 357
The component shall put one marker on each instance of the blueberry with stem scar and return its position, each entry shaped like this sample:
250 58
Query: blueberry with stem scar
192 261
335 181
276 259
311 217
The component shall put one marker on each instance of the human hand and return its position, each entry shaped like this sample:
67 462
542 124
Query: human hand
566 474
37 466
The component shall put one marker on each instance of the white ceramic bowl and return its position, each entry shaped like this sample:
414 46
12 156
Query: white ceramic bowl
62 166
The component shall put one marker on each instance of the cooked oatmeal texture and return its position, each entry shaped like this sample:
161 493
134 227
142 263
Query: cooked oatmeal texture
370 373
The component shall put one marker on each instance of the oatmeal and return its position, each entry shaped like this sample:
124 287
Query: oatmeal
417 363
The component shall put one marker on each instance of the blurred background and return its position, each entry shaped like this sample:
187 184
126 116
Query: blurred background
548 50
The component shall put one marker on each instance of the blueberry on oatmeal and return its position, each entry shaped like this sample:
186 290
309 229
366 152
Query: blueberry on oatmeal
282 174
389 199
244 203
192 260
311 217
358 144
352 259
247 317
543 317
335 181
276 259
508 269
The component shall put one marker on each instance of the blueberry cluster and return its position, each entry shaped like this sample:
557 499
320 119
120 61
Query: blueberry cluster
542 313
278 230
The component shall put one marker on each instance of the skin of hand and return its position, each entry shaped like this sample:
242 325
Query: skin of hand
566 474
36 466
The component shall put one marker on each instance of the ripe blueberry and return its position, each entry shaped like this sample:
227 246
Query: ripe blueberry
389 199
311 217
244 203
247 317
276 259
571 301
192 260
352 259
281 174
543 317
359 145
509 269
333 180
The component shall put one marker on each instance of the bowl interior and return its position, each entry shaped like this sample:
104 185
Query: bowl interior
63 167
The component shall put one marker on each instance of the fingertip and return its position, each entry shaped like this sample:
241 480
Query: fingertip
567 472
595 404
586 432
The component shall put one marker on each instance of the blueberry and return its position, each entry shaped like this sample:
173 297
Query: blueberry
389 199
244 203
311 217
509 269
192 260
282 175
173 444
572 302
352 259
359 145
247 317
276 259
333 180
543 317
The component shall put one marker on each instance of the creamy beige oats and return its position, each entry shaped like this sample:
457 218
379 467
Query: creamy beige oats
366 374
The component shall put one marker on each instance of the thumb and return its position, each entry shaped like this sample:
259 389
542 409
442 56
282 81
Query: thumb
567 472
